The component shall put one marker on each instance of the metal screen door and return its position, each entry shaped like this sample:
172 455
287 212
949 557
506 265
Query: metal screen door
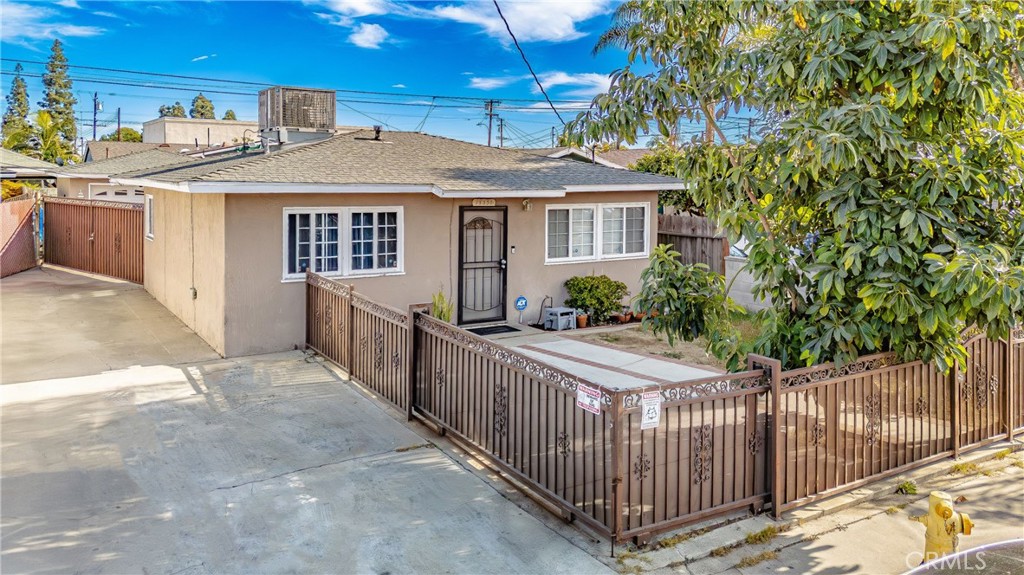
482 263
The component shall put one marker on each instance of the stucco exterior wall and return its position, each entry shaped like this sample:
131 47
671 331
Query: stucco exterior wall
186 251
76 187
266 314
190 130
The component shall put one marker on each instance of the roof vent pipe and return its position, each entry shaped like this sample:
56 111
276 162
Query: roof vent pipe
376 132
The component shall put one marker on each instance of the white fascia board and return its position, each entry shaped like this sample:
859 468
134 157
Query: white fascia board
200 187
627 187
500 194
144 183
81 176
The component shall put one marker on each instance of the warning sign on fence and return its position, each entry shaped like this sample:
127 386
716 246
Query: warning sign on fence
650 409
589 399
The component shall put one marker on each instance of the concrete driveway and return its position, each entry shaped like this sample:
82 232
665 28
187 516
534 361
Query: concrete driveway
257 465
60 323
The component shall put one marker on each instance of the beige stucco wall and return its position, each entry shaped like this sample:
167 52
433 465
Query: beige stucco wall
76 187
190 130
265 314
186 251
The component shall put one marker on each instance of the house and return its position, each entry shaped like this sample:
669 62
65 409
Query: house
399 215
15 167
621 159
92 180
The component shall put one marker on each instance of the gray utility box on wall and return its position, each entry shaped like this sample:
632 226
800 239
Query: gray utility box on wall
559 318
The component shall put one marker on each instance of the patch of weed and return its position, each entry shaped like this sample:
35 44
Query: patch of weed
672 354
723 551
895 509
763 536
631 570
989 472
963 468
1018 463
1002 454
677 539
759 558
907 488
610 337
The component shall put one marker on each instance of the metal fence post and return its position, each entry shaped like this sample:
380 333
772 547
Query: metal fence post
410 352
350 327
1008 364
954 415
777 486
617 485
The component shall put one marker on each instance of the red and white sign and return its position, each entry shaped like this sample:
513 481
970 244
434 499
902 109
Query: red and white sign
650 409
589 399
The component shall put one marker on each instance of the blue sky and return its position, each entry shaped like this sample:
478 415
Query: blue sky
408 49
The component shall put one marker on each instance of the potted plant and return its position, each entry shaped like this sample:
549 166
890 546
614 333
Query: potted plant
595 297
581 320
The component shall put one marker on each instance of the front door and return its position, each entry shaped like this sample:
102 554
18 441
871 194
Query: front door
482 263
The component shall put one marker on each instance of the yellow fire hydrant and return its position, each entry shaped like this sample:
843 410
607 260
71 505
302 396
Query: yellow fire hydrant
943 526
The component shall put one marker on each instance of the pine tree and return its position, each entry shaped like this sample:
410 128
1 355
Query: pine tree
229 115
202 107
58 97
16 115
175 111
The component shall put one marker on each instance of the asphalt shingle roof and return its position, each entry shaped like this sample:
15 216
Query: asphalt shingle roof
144 160
11 159
402 158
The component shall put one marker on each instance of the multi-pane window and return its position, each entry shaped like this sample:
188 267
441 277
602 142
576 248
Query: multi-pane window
572 232
316 239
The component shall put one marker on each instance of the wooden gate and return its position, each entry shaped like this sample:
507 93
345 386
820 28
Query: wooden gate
94 236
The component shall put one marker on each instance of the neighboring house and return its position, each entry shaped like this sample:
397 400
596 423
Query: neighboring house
621 159
399 215
92 180
19 167
205 133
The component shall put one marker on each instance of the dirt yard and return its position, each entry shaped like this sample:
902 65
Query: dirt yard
636 339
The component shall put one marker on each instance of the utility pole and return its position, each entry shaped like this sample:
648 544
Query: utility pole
501 132
750 127
119 124
489 106
96 107
552 136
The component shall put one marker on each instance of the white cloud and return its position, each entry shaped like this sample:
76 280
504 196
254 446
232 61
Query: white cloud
400 86
353 8
590 85
68 3
105 14
493 83
204 57
22 24
552 21
368 36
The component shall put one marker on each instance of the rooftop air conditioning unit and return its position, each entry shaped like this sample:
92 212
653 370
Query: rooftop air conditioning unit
296 109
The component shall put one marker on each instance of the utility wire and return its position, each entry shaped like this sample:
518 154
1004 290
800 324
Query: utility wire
523 54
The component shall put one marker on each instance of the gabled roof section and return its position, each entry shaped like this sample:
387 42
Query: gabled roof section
405 159
12 159
144 160
625 158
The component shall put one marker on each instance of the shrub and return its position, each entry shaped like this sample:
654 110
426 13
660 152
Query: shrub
598 296
442 307
907 488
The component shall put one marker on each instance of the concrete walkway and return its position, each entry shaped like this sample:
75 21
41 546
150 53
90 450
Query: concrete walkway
60 323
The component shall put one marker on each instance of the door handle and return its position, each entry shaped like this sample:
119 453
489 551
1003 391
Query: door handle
502 263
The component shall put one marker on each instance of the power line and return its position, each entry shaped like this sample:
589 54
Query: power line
523 54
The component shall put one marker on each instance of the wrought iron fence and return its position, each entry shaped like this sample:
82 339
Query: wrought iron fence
647 460
94 236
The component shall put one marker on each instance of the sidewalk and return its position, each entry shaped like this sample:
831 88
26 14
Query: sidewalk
866 531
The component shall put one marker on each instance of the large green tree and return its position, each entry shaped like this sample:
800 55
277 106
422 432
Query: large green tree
175 110
58 97
127 135
202 107
882 207
16 114
229 115
43 139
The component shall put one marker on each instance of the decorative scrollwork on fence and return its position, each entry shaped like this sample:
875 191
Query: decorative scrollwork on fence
873 417
641 466
830 371
563 444
755 441
380 310
1017 335
378 351
328 316
985 385
67 234
970 333
439 377
328 285
396 361
703 443
921 406
501 410
506 356
117 243
697 390
363 342
817 434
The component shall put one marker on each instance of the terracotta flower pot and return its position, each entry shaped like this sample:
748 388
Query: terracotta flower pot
626 317
581 320
639 316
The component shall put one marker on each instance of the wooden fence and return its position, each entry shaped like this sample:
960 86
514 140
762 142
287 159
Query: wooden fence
17 236
696 238
717 444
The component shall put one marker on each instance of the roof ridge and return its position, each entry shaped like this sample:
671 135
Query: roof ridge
264 157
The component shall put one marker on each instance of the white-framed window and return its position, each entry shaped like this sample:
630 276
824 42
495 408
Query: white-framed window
596 231
148 217
343 241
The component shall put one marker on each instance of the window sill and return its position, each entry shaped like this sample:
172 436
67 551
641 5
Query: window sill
339 277
615 258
